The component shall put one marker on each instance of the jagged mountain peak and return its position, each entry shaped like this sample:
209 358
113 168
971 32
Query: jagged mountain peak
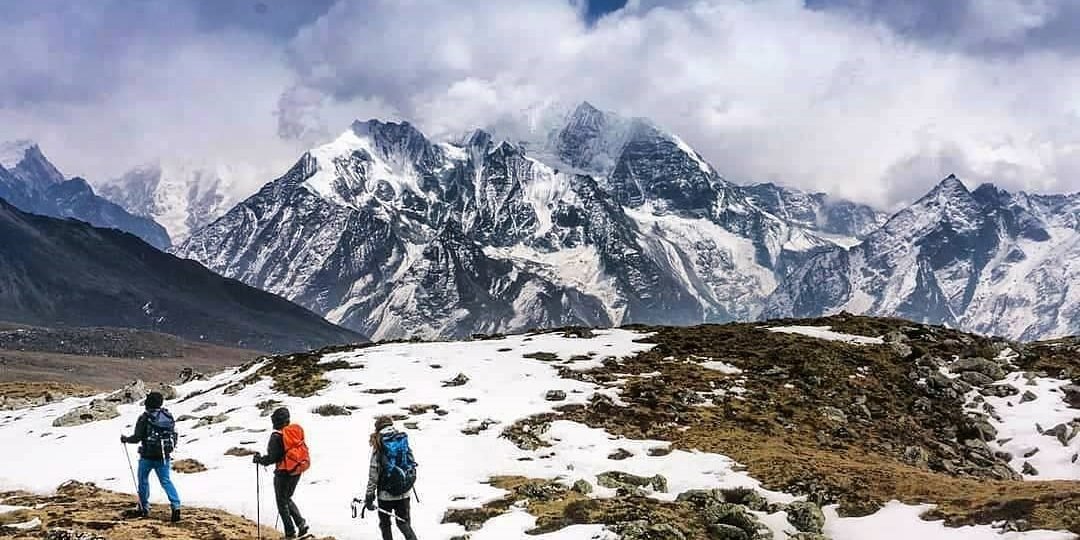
13 152
24 159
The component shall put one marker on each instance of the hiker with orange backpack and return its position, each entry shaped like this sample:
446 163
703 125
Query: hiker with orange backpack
289 452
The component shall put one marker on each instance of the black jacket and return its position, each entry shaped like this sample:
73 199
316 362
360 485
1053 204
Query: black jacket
141 427
275 452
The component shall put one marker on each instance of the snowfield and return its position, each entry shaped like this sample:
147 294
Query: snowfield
826 333
503 386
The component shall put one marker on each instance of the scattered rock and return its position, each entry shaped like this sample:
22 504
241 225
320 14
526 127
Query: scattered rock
1072 395
629 482
188 466
1031 453
239 452
805 516
1062 432
331 410
1000 390
1028 396
103 408
187 375
204 406
583 487
642 530
986 367
834 415
1029 469
555 395
460 380
975 378
620 454
211 420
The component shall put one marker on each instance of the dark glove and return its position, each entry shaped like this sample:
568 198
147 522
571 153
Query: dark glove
256 458
370 504
123 439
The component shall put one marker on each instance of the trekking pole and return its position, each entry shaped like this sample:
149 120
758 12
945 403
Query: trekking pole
258 502
131 469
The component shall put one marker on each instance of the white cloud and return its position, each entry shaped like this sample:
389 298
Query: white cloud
768 90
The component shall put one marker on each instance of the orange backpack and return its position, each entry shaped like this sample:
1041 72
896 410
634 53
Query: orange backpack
297 460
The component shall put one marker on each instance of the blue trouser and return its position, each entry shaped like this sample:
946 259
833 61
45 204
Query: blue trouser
161 468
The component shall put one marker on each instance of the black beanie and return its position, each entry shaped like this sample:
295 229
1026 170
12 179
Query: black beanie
154 400
280 418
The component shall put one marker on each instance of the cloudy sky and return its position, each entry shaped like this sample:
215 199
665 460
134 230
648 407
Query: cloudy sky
874 100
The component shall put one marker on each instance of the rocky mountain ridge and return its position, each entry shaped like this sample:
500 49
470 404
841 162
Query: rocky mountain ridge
66 273
30 182
391 234
986 260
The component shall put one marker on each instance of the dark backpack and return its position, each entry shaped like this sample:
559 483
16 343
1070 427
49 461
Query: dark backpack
397 469
160 433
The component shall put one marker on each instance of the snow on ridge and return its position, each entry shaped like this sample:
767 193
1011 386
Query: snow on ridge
826 333
504 386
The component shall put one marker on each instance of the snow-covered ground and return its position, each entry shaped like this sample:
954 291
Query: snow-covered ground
1020 420
506 387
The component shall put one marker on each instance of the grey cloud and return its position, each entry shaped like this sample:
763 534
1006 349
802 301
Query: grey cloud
989 27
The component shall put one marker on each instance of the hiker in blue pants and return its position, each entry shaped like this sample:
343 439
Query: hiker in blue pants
391 476
155 433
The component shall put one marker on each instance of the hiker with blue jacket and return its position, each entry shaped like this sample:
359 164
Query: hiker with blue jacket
391 477
155 433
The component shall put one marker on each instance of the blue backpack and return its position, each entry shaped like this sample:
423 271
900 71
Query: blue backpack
160 433
397 469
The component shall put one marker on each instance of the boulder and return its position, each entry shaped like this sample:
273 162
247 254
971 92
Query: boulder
806 516
460 380
95 411
1072 395
986 367
975 378
723 531
1062 433
1028 396
555 395
629 482
1000 390
1029 469
582 487
643 530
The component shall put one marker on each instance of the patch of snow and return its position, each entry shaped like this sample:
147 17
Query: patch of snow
826 333
1017 426
898 521
722 367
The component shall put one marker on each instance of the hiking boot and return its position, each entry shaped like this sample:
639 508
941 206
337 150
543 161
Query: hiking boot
303 531
175 516
135 513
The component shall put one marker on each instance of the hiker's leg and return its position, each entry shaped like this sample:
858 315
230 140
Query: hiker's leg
163 469
145 466
293 510
384 519
404 521
281 494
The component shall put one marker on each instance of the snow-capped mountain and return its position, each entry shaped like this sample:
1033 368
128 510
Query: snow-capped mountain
182 197
985 260
603 220
31 183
